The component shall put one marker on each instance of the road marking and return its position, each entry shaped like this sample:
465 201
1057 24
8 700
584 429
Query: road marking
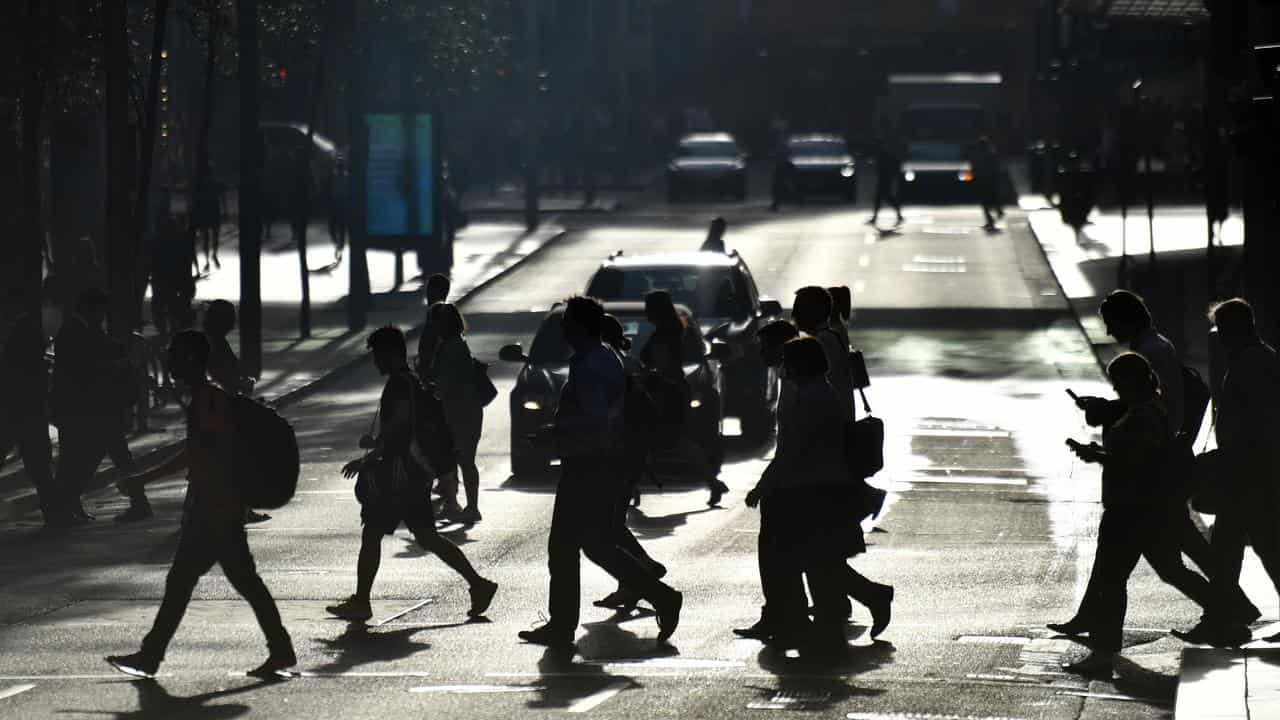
598 698
103 676
791 700
322 492
993 639
342 674
922 716
475 689
962 480
406 611
1111 696
15 690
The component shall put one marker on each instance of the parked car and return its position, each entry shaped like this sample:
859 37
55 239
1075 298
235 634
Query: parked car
546 369
722 294
821 163
707 163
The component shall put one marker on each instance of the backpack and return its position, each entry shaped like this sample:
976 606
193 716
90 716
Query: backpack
671 400
266 459
430 429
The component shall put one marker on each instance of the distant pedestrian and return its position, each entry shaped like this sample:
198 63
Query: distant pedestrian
454 371
986 180
888 156
769 555
634 465
207 210
812 312
1248 423
715 236
782 182
338 193
588 432
89 372
212 521
24 419
664 355
393 483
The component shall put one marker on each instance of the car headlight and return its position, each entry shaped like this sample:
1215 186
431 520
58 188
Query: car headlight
532 405
695 403
847 171
909 176
964 176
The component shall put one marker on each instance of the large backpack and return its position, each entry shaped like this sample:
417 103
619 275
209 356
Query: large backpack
266 458
431 431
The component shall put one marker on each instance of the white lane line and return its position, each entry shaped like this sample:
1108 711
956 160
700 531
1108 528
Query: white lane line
343 674
475 689
404 612
922 716
1111 696
598 698
15 690
54 677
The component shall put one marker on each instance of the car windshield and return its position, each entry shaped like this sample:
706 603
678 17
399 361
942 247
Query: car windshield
550 348
936 152
710 292
817 148
708 149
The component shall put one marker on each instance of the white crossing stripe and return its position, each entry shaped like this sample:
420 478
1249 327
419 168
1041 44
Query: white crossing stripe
475 689
922 716
15 690
598 698
406 611
792 700
343 674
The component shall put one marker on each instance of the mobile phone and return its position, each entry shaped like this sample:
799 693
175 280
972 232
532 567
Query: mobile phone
1074 444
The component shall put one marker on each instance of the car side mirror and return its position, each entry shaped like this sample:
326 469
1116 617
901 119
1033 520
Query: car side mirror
770 308
512 353
721 351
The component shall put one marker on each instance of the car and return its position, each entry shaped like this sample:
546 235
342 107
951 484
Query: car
721 292
821 163
545 369
937 169
707 162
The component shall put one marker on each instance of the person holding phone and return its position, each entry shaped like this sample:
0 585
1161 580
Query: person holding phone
1135 514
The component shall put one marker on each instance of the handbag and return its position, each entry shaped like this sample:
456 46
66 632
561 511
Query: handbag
486 391
864 443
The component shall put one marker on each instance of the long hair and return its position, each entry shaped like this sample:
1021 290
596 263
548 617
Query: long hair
661 310
445 322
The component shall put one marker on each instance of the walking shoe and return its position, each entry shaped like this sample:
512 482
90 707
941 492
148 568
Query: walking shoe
620 599
353 608
1097 664
135 513
1216 635
482 593
546 636
658 569
761 630
718 489
274 664
138 665
669 615
469 514
451 511
253 516
1074 627
882 611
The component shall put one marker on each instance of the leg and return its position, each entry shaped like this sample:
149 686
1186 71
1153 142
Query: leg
237 564
563 547
1166 559
368 561
80 453
432 541
194 557
1119 547
37 457
467 465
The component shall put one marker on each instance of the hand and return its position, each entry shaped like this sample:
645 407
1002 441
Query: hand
1089 403
367 442
1091 453
352 468
753 497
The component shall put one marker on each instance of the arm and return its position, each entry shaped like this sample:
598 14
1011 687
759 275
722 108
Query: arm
175 462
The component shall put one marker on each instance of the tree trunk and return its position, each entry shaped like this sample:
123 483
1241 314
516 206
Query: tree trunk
142 205
31 239
250 192
357 134
121 253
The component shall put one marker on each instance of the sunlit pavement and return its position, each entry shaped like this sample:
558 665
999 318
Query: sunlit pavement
988 534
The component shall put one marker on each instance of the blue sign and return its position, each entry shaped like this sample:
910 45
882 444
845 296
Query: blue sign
387 178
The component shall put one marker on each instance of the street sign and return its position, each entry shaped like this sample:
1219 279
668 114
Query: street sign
400 176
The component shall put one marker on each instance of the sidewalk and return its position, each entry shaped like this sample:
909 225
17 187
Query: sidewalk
293 367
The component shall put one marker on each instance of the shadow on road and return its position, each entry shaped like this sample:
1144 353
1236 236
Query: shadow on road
154 701
359 645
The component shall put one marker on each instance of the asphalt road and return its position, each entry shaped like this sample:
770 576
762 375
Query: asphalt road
988 535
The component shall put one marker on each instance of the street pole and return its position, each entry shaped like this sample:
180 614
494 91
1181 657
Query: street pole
304 168
121 256
531 134
357 138
142 203
250 193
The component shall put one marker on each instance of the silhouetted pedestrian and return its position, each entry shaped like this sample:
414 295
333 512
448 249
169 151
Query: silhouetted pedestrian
664 354
338 193
715 236
769 556
841 311
212 520
1248 423
812 312
435 291
634 465
89 370
986 179
588 431
1135 509
393 483
888 156
24 417
207 211
782 183
454 372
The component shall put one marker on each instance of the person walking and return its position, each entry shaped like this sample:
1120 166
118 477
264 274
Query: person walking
986 179
435 291
1128 320
207 211
24 417
588 431
1248 420
89 369
714 241
1135 508
454 371
392 484
212 520
664 355
888 158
